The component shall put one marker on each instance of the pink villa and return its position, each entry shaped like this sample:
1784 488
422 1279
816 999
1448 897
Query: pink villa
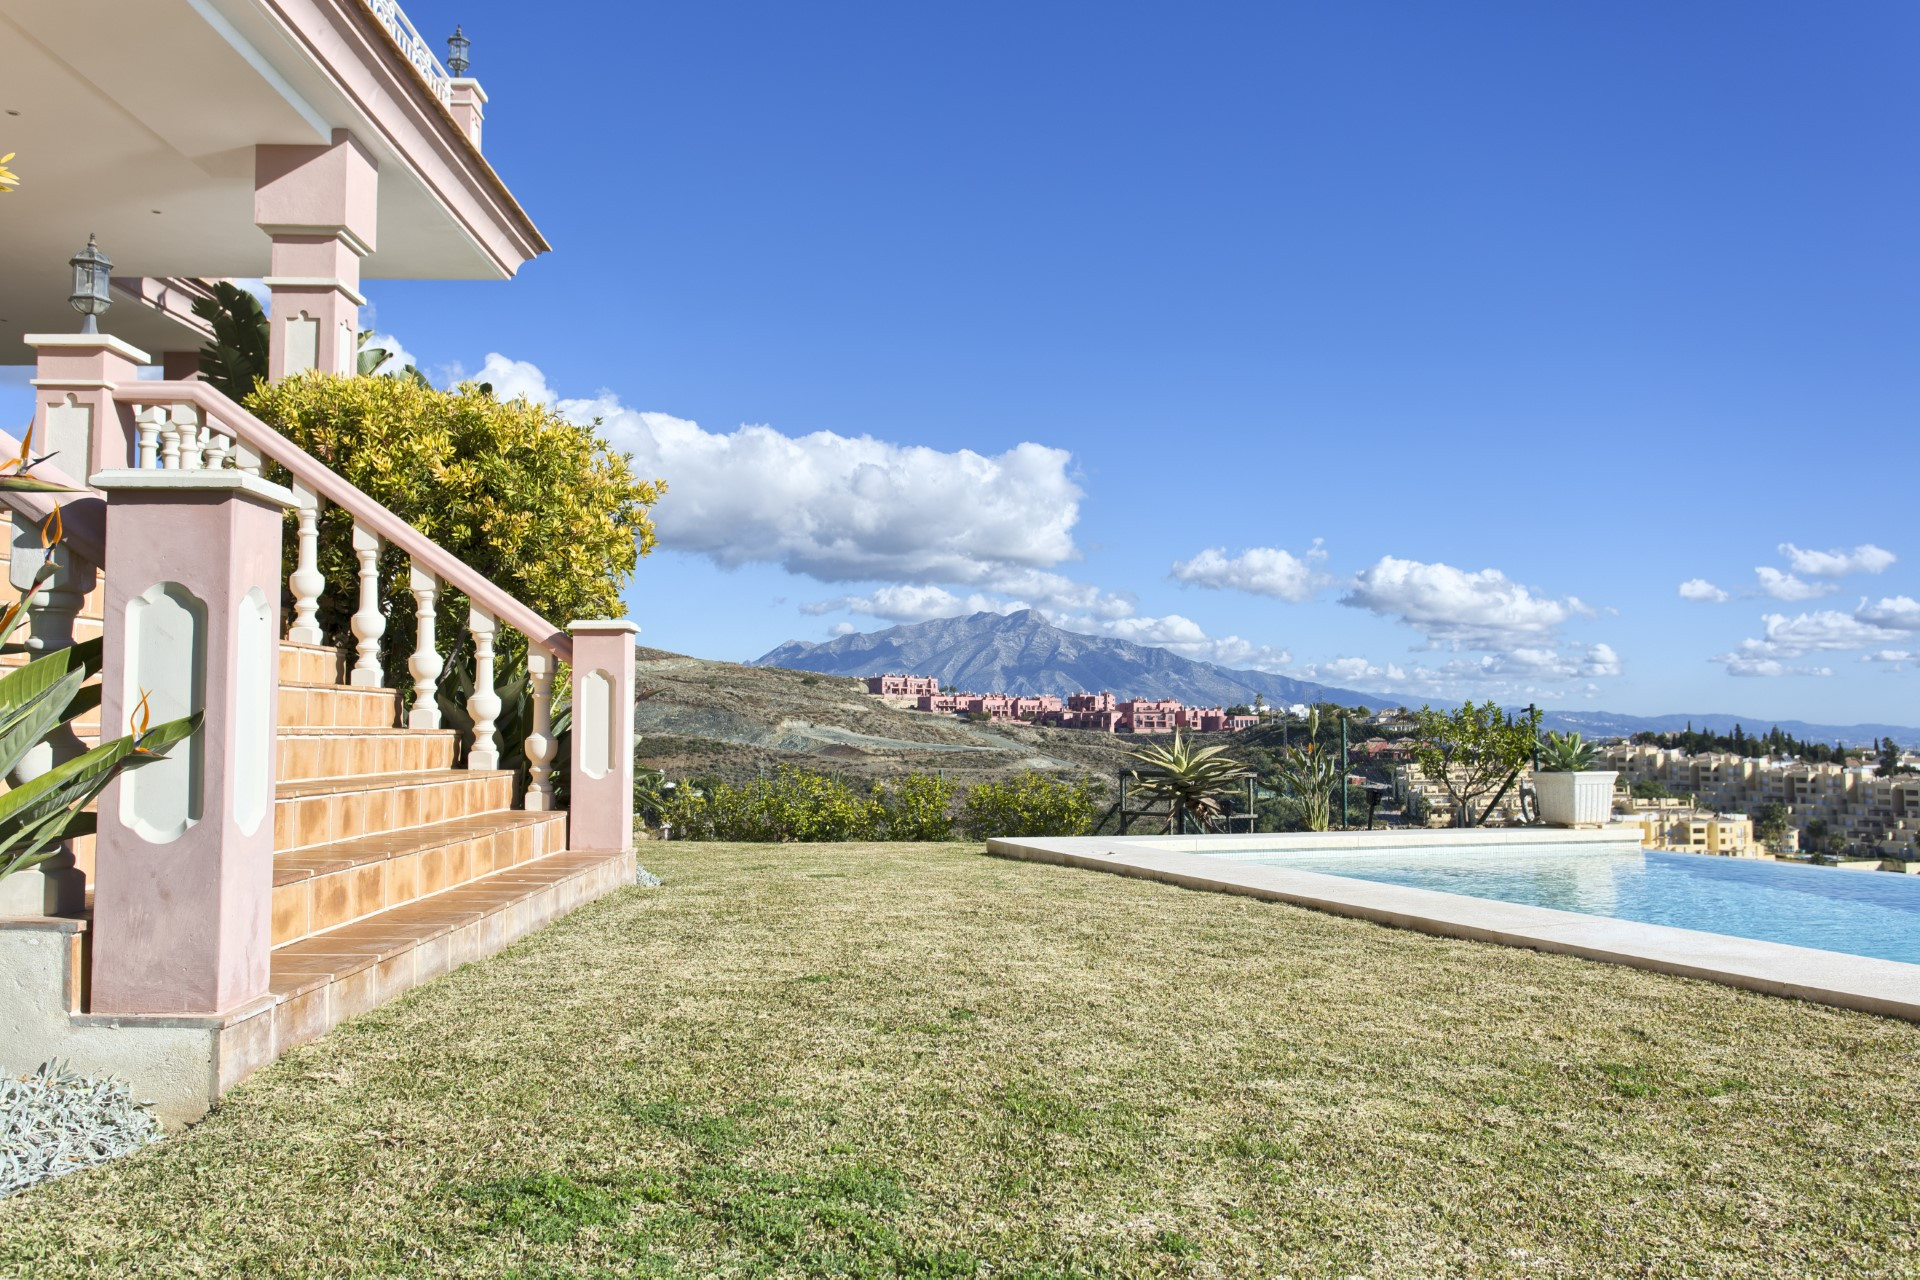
308 854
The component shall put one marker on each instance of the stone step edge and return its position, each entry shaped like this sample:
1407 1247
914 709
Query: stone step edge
428 938
307 788
432 835
297 1012
356 731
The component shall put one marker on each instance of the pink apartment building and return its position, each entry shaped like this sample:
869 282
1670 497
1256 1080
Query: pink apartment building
1100 712
903 686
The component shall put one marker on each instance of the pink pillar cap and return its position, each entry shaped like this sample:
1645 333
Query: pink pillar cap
603 626
148 480
90 341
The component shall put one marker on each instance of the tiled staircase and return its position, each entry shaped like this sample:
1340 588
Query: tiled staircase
390 866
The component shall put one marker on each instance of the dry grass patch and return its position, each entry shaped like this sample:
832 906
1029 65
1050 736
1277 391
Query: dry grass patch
867 1060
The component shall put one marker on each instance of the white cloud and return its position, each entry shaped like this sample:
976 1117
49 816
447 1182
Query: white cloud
1522 672
1232 651
1892 659
1265 571
1827 630
1452 607
1786 638
1179 634
1865 558
1784 586
1699 589
910 603
832 507
1352 670
1898 613
1740 664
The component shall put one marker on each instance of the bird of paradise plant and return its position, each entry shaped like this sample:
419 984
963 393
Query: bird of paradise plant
50 691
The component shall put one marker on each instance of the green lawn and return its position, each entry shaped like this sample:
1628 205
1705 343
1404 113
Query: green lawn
865 1060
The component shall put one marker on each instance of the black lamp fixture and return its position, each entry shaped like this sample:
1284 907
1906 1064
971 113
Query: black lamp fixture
91 270
458 46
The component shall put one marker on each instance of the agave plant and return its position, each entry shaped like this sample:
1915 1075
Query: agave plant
1193 780
1565 753
47 693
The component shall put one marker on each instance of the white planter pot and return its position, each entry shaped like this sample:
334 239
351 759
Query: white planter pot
1575 799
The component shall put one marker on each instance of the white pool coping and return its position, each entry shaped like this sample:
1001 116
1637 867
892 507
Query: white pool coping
1886 987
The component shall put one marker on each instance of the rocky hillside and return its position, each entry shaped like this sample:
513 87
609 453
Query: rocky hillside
722 719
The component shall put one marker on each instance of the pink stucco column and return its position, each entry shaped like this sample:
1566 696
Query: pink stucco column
601 781
319 206
74 414
183 871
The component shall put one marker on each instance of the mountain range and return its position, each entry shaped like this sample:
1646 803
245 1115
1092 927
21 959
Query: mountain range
1024 653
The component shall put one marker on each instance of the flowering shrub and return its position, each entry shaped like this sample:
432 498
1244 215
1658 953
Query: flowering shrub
544 507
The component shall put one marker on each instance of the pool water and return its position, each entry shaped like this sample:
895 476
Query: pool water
1862 913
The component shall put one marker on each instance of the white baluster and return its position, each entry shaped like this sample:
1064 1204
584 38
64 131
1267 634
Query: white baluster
192 434
426 663
170 444
369 624
484 705
217 447
306 581
245 457
148 422
540 744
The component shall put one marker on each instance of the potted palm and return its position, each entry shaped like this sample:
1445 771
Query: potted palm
1571 792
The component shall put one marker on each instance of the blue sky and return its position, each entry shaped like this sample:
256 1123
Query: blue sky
1437 345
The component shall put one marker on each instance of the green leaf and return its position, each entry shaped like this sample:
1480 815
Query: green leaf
23 685
21 483
76 783
27 726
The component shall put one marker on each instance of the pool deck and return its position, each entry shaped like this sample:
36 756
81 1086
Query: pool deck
1885 987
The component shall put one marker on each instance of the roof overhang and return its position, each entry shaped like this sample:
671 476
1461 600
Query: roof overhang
138 123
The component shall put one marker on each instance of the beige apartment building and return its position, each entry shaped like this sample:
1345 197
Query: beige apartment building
1876 816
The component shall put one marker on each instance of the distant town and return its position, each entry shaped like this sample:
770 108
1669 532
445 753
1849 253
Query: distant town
1100 712
1710 801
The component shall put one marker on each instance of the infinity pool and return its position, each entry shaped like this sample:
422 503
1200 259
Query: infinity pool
1862 913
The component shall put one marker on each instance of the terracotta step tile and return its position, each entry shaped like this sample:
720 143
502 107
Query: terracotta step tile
329 706
309 664
326 886
322 811
307 754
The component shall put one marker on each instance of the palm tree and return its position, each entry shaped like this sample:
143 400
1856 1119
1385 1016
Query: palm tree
1191 779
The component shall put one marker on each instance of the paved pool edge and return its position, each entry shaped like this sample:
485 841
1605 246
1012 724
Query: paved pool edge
1886 987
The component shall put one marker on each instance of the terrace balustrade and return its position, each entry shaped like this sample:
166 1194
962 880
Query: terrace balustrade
190 426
